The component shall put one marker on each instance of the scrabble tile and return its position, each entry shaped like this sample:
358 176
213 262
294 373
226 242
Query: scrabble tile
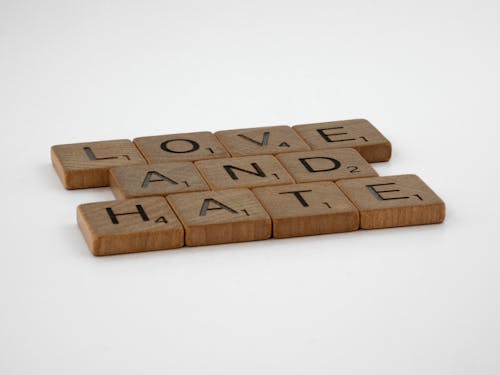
393 201
86 165
155 179
131 225
245 171
214 217
181 147
326 165
308 209
358 134
261 141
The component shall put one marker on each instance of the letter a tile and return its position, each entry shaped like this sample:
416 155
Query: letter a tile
393 201
358 134
181 147
246 171
326 165
86 165
261 141
155 179
131 225
214 217
308 209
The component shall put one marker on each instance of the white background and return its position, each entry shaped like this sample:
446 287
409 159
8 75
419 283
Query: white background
416 300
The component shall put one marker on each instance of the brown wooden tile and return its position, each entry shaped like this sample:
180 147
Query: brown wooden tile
393 201
131 225
181 147
155 179
326 165
359 134
261 141
214 217
86 165
308 209
245 171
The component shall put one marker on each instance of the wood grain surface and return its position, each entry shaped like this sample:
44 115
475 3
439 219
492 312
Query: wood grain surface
393 201
359 134
245 171
86 165
181 147
214 217
261 141
326 165
131 225
306 180
308 209
155 179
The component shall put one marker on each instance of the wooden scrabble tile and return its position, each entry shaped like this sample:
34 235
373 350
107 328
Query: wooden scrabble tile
214 217
393 201
155 179
308 209
131 225
326 165
181 147
86 165
261 141
358 134
245 171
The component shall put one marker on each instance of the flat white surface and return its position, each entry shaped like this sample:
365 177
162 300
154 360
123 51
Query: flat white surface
417 300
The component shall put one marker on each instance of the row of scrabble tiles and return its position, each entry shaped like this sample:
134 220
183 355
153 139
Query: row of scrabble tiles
86 165
242 214
238 172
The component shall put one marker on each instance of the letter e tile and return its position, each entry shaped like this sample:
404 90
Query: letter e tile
393 201
358 134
